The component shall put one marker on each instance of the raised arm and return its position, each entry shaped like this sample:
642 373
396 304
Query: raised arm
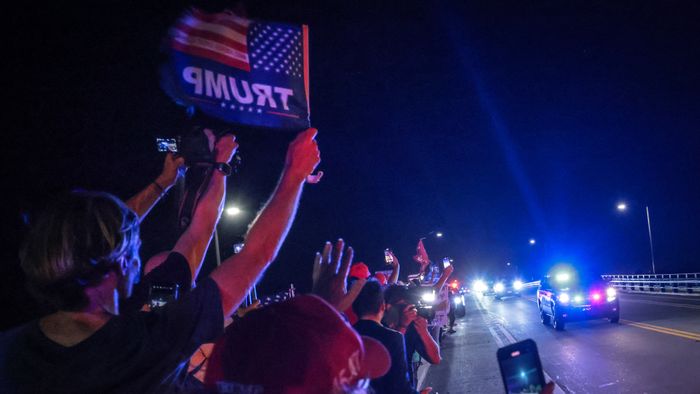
395 268
237 274
443 278
432 349
193 243
146 199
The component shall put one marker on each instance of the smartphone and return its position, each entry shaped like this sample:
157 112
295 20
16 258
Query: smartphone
160 295
521 368
388 259
166 145
446 262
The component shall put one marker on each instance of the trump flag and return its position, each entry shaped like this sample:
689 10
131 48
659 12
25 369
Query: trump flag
239 70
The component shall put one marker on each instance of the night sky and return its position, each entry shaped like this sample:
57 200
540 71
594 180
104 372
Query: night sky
494 122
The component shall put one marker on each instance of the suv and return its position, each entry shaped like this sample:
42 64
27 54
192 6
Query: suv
566 297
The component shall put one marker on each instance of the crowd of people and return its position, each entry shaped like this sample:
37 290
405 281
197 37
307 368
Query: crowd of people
352 333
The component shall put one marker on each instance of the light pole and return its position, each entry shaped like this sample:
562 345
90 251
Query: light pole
438 234
230 211
622 207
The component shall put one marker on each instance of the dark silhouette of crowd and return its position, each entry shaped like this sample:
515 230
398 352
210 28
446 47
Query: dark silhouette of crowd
353 333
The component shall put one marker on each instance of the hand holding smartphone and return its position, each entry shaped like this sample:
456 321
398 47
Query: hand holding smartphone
388 257
521 368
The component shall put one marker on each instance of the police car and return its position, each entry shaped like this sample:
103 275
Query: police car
565 297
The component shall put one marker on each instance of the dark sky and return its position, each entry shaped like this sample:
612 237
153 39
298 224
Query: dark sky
493 122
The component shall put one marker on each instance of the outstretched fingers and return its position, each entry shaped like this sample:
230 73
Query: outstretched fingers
337 255
344 270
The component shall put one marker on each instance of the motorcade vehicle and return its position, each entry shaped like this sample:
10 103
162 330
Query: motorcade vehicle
566 296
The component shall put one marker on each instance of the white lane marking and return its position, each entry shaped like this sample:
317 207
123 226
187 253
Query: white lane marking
498 321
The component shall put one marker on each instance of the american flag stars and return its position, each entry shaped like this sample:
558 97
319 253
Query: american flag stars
241 108
276 49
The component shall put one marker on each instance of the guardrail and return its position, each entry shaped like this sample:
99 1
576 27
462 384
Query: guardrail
531 284
685 284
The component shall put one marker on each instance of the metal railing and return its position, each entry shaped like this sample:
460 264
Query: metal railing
684 283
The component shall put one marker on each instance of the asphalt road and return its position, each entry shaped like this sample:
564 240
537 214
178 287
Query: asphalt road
654 349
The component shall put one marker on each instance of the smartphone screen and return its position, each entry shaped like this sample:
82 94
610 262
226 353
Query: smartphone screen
387 257
160 295
521 369
166 145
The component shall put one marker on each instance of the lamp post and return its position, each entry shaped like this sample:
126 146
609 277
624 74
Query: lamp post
622 207
438 234
230 211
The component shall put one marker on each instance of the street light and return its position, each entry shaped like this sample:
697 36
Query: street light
436 233
233 210
230 211
622 207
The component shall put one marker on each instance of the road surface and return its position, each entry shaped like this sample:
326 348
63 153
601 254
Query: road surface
654 349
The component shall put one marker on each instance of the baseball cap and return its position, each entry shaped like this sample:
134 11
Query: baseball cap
381 278
302 345
359 270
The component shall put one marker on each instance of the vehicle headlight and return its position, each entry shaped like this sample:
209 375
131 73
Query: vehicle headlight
517 285
498 287
564 298
578 298
611 293
428 297
458 301
479 286
562 277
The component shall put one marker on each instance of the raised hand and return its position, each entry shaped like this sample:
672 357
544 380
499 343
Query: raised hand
408 315
173 167
225 148
303 156
330 274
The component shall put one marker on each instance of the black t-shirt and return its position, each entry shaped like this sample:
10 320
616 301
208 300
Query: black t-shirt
396 380
173 271
135 352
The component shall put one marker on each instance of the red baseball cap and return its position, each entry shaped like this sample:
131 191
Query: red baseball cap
298 346
359 270
381 278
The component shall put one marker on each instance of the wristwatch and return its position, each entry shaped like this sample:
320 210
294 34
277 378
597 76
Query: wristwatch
225 168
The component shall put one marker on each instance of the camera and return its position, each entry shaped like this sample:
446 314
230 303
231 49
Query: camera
423 297
194 146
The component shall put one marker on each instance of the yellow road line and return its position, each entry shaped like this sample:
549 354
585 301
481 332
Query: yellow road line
664 330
